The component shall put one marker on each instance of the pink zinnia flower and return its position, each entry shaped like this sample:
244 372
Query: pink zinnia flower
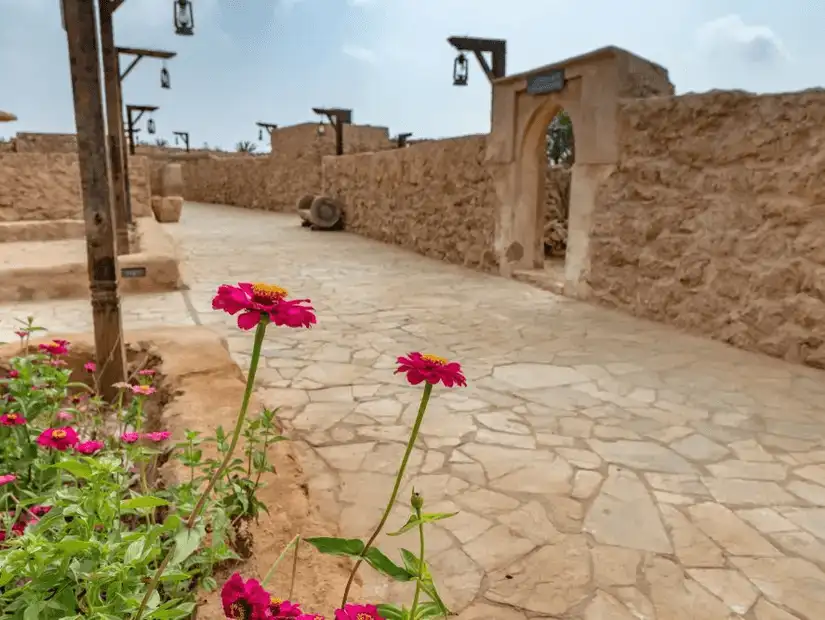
55 347
7 479
244 600
90 367
293 313
432 369
146 372
58 438
39 510
310 617
21 333
129 437
254 301
158 436
357 612
64 416
12 419
89 447
58 363
13 374
143 390
280 608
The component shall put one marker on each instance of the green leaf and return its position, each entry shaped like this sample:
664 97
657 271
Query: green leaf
414 521
428 609
186 543
392 612
143 501
76 468
350 547
73 545
133 551
386 566
429 588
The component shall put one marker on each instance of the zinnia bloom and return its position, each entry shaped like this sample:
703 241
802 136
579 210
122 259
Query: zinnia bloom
143 390
12 419
310 617
90 366
39 510
129 437
89 447
357 612
432 369
55 347
293 313
7 479
64 416
284 609
146 372
58 363
13 374
21 333
158 436
58 438
244 600
254 301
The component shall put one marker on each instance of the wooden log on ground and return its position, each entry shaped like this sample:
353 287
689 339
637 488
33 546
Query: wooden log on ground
321 213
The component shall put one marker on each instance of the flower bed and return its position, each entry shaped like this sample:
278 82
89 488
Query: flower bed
92 531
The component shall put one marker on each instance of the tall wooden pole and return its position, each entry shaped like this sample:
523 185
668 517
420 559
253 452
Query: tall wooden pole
81 30
111 77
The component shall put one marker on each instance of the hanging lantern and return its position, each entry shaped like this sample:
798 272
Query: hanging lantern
460 70
165 79
260 134
184 19
177 142
150 127
321 129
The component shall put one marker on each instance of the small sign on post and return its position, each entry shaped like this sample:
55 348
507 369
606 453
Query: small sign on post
133 272
544 83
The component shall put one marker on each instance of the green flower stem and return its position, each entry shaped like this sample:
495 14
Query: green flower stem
293 543
422 408
260 332
420 563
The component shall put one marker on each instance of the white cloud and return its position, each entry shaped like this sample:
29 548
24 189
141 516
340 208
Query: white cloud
731 36
360 53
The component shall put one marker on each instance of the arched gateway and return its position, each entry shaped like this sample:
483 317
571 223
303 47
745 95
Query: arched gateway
589 88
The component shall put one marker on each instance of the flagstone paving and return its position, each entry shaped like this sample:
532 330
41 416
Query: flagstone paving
603 468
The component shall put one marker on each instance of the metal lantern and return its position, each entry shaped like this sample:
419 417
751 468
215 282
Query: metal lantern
460 70
177 142
260 134
322 129
150 126
184 19
165 79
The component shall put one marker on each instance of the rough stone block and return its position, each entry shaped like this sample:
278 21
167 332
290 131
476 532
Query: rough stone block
168 209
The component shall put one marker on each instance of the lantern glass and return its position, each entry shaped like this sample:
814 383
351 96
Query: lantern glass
165 78
322 129
150 127
184 18
461 69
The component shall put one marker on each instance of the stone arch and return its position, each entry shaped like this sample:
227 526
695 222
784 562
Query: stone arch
593 86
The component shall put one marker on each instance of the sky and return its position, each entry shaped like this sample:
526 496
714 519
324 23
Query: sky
388 60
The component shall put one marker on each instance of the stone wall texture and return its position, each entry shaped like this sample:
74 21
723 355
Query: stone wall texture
714 219
46 186
556 209
303 140
273 183
435 198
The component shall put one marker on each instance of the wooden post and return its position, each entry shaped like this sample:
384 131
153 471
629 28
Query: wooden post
111 77
81 29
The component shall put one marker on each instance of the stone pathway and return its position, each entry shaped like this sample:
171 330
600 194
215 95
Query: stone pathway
604 468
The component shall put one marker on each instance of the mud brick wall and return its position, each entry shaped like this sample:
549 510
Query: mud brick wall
435 198
271 183
714 219
303 140
556 208
46 186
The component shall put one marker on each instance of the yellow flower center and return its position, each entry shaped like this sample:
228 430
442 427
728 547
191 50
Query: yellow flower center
363 616
11 416
274 600
269 292
240 611
58 434
434 359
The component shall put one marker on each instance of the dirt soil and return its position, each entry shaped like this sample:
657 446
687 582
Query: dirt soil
204 388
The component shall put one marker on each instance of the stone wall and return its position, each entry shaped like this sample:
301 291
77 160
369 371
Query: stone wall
714 219
272 183
303 140
45 143
46 186
435 198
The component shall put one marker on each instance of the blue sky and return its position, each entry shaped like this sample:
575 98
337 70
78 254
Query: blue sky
272 60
